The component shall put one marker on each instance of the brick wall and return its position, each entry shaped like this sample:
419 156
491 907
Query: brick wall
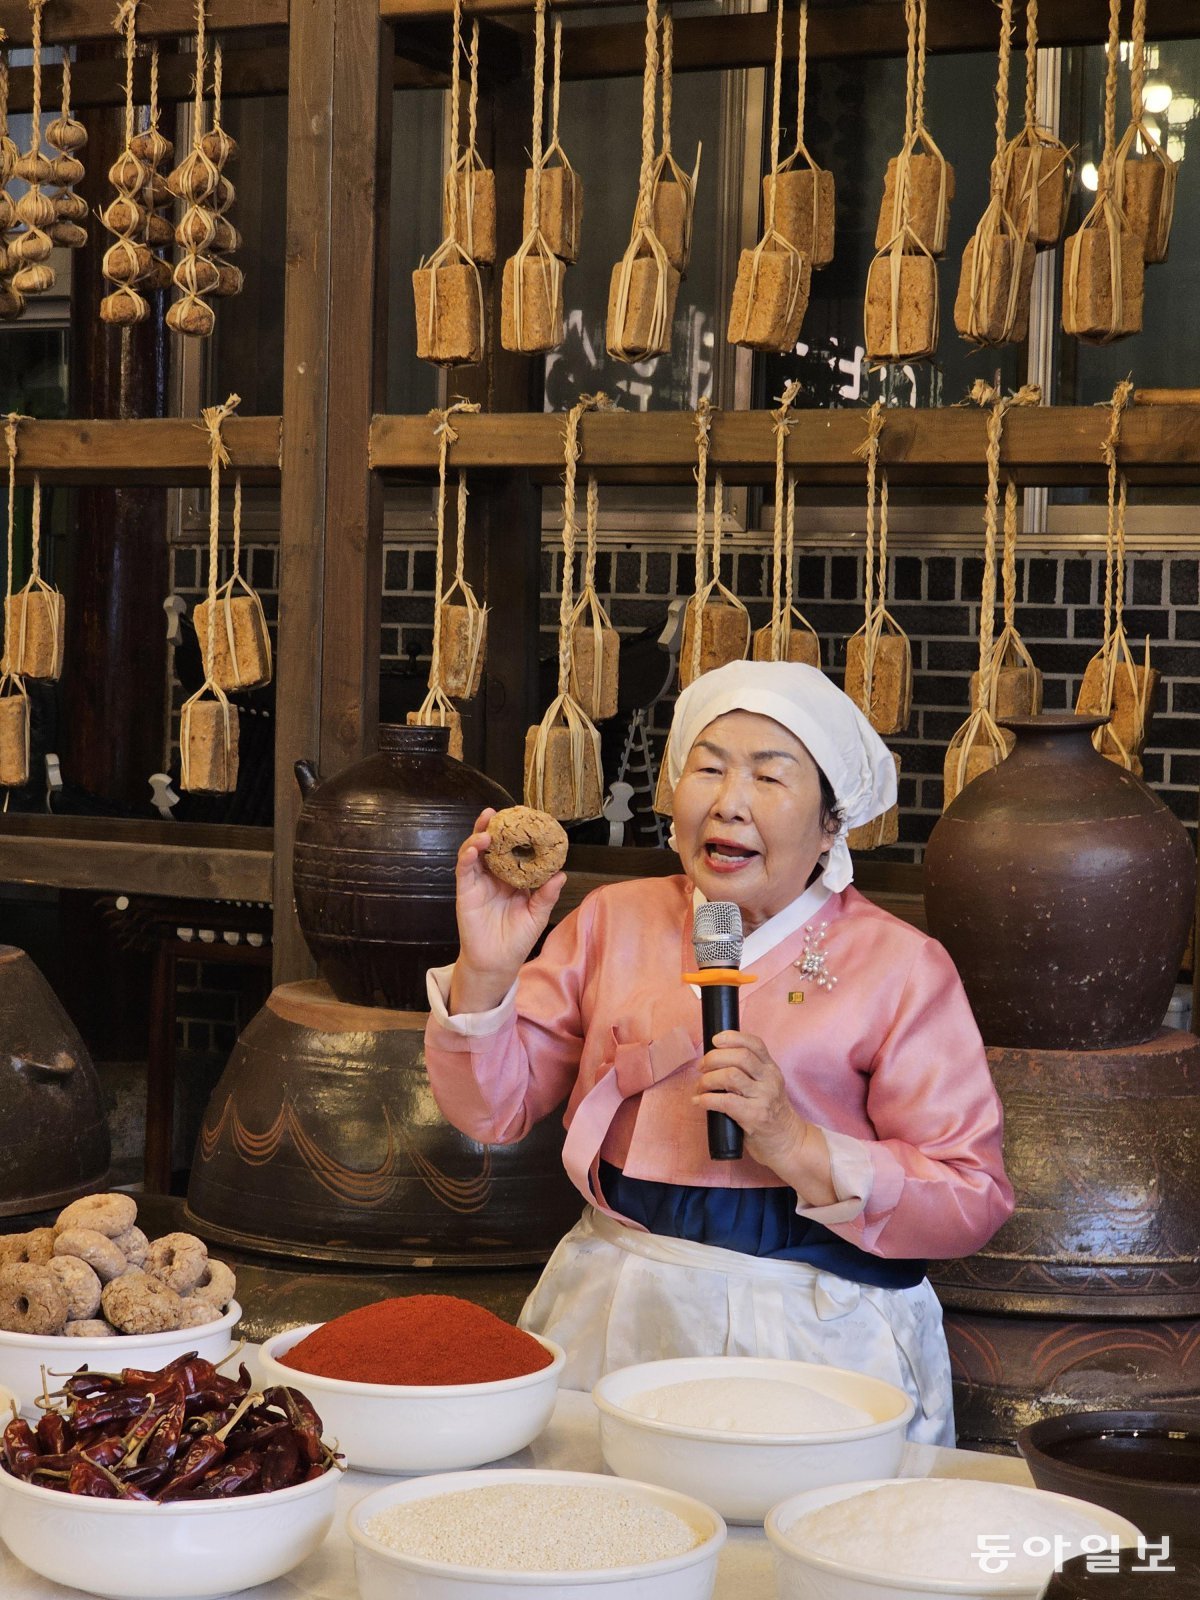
934 597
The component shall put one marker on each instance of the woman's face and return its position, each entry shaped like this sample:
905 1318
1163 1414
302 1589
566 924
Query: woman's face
747 812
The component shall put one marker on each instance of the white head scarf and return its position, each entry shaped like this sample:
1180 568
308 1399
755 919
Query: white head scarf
828 724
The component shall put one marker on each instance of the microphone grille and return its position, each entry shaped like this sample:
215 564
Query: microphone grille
717 934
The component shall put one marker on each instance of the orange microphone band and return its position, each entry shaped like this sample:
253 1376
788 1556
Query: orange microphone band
711 976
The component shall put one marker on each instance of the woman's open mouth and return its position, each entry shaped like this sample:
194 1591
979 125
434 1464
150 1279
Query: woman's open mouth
724 855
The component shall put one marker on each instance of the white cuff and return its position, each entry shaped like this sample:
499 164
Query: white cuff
471 1024
852 1175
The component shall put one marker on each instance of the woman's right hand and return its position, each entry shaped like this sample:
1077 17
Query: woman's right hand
498 925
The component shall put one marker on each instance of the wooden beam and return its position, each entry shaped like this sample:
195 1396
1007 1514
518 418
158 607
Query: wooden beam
150 450
191 861
246 74
331 557
72 21
929 447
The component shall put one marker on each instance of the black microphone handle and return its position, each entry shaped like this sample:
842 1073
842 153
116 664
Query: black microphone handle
719 1010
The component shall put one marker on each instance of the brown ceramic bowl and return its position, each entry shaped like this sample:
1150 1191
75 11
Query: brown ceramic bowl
1144 1465
1082 1578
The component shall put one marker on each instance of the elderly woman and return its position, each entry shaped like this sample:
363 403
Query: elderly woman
872 1128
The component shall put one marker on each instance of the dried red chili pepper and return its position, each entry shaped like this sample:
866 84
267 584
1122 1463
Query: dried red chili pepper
20 1447
281 1462
55 1434
238 1475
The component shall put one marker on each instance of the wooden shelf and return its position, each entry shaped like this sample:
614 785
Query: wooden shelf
1050 445
72 21
712 43
191 861
165 450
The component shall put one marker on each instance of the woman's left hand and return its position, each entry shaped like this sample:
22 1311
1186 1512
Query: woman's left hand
739 1077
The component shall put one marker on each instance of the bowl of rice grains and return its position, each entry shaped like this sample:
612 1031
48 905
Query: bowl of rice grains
740 1432
502 1534
421 1383
933 1539
166 1484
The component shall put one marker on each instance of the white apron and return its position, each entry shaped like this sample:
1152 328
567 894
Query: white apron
613 1296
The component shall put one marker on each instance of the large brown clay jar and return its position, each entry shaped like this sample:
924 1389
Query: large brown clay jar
323 1141
373 865
1063 889
53 1134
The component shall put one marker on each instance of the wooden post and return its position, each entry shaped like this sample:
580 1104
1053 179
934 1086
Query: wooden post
330 581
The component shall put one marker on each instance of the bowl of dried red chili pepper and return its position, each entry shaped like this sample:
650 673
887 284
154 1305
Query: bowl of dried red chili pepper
421 1383
176 1484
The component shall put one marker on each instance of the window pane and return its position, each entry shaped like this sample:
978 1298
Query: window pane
854 124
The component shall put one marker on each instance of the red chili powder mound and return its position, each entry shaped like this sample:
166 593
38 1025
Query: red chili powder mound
418 1339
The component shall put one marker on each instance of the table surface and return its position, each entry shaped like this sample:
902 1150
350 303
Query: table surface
571 1442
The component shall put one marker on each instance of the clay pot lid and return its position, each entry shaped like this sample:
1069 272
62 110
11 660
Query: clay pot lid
1082 1576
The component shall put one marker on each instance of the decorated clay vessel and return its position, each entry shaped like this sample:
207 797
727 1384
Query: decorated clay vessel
373 865
54 1145
1063 889
322 1141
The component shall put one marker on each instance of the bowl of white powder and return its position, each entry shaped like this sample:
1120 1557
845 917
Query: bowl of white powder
504 1534
932 1539
740 1432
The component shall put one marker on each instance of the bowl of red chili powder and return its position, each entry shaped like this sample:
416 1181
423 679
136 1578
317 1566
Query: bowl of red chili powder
421 1383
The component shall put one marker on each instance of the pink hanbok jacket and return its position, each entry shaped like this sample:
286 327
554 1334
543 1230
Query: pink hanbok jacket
888 1062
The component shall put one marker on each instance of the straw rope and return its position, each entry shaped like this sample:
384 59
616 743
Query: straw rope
11 425
919 111
445 435
1008 561
776 98
1031 50
1110 99
214 418
704 422
781 423
455 94
868 451
35 114
802 72
649 78
668 78
539 92
1108 450
556 84
1004 64
1137 60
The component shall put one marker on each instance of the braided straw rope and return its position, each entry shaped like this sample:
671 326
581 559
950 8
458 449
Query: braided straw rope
781 425
1048 162
213 419
535 245
868 451
980 733
588 610
702 589
564 709
436 710
12 686
1115 655
1159 229
1106 213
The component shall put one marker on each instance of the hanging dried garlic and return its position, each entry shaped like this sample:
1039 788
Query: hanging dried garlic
28 251
208 723
1103 264
68 136
789 636
12 304
770 293
644 285
447 291
206 194
128 263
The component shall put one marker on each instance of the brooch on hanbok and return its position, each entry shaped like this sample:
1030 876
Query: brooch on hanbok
814 959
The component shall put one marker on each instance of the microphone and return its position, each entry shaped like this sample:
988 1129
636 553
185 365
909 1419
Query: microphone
717 940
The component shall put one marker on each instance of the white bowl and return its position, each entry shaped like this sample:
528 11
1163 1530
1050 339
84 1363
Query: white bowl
744 1474
383 1427
183 1550
386 1574
23 1355
801 1575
